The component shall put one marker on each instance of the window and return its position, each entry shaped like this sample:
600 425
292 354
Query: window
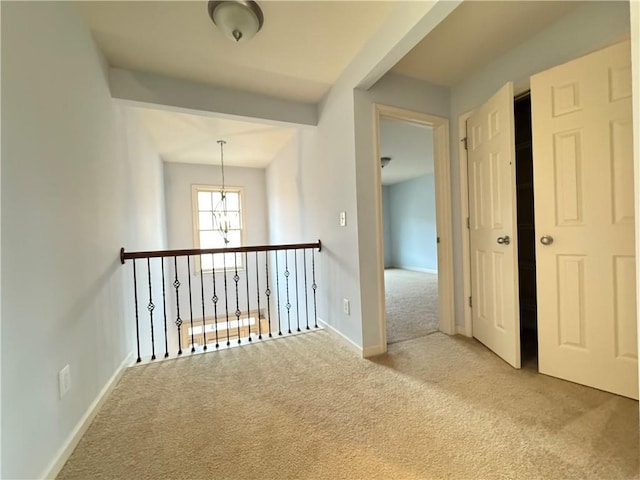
208 218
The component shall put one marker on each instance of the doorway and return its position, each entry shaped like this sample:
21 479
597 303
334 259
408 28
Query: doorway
409 226
442 190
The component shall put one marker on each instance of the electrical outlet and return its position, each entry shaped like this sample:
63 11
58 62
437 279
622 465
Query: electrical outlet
345 306
343 219
64 380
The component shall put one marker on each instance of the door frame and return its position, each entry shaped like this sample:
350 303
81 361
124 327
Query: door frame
463 180
444 227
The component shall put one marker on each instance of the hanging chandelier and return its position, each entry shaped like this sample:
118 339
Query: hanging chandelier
220 212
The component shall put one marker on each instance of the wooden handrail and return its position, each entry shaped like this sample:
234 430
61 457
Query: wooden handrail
206 251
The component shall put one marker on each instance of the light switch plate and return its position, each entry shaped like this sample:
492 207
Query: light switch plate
343 219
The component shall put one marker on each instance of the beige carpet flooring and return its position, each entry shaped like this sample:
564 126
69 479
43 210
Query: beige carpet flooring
411 304
307 408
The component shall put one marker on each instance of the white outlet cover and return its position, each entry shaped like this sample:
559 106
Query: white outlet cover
64 380
345 306
343 219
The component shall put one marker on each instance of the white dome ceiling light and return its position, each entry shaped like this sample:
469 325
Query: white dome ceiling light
238 20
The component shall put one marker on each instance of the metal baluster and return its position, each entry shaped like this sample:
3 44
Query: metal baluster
258 294
306 294
295 259
267 292
164 308
193 347
178 322
278 292
215 299
236 278
135 297
286 276
314 286
226 297
150 307
204 325
246 271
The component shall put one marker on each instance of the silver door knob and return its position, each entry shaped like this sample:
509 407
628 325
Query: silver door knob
546 240
506 240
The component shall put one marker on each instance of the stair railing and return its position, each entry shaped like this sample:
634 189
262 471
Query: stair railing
236 287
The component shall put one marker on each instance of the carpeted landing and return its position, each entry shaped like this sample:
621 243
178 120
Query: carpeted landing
307 408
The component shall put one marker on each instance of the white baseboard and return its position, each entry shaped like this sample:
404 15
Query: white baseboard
461 330
364 352
416 269
341 336
374 350
72 440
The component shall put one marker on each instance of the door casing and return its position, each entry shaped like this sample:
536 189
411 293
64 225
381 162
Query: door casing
444 227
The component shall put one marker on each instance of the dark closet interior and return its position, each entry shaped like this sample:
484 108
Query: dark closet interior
526 232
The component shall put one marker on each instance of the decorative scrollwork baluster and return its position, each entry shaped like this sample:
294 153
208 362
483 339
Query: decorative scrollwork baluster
164 308
267 292
215 299
236 279
178 322
151 307
278 292
286 276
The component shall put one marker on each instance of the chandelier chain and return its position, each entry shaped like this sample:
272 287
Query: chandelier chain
222 143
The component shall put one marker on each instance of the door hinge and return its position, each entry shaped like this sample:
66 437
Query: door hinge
437 239
468 223
470 303
464 142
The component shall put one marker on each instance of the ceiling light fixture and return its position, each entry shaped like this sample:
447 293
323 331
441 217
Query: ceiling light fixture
238 20
384 161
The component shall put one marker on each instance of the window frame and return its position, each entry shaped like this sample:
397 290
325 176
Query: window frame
195 189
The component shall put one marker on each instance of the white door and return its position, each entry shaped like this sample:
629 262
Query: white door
492 224
584 206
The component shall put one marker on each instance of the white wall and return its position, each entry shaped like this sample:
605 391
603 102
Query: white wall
386 224
412 206
398 91
179 177
74 191
589 27
284 196
327 178
310 184
148 231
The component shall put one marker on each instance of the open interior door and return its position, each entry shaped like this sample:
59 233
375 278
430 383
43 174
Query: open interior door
492 225
584 204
